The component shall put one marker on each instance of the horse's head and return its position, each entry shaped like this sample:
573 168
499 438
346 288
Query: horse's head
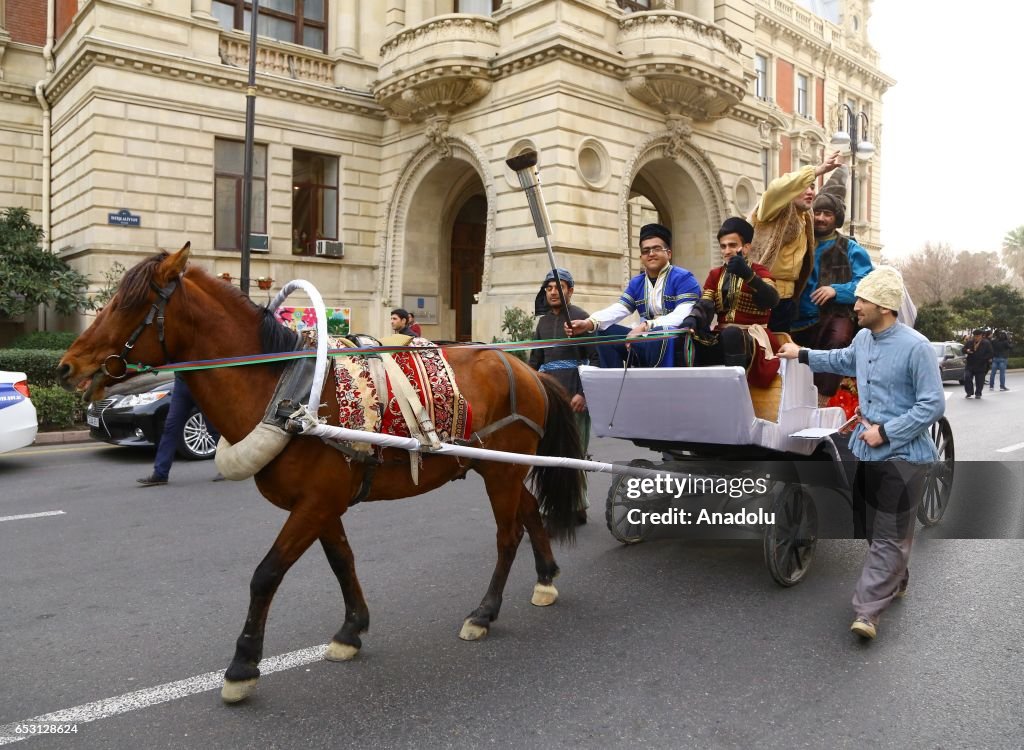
130 329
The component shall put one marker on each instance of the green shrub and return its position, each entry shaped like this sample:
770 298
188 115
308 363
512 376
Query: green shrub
1015 363
39 365
45 340
56 407
517 325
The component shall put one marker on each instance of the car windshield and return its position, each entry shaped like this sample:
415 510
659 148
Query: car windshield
940 349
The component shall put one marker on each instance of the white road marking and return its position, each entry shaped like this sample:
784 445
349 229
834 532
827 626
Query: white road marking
153 696
32 515
1007 449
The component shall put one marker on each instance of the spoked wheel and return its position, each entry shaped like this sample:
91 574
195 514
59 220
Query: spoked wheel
789 542
618 506
938 484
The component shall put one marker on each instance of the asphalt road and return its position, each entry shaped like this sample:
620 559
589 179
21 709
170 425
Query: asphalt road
662 644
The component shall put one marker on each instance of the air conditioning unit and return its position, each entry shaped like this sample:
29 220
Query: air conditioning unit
329 249
259 243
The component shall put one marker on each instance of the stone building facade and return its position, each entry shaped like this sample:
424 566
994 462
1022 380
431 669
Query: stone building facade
382 128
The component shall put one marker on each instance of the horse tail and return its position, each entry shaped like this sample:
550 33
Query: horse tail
559 491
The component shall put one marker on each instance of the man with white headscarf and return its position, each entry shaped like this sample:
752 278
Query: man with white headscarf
901 397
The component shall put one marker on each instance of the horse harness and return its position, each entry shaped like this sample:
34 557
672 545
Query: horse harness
156 312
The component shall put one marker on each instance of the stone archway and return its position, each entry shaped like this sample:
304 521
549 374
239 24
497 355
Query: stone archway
672 181
428 210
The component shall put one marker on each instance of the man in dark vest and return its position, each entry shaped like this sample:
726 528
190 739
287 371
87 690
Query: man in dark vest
825 317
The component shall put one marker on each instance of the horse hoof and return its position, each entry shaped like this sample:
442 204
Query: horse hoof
544 596
237 690
340 651
471 631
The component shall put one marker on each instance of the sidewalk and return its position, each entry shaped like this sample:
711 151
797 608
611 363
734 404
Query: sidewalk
68 436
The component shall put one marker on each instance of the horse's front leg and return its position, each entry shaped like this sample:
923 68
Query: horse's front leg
346 642
544 591
298 533
503 482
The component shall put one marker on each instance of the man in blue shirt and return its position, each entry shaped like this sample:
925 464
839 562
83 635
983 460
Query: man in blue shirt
901 396
825 316
662 295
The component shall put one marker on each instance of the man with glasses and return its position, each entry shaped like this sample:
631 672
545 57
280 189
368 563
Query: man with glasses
662 295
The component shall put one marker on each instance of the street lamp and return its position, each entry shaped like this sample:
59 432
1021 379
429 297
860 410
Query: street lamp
859 150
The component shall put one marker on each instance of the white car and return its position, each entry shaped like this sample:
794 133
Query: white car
18 423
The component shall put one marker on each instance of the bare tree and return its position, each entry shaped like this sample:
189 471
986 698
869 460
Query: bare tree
936 274
928 274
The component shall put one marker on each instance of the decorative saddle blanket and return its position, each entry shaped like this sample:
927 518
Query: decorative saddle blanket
368 399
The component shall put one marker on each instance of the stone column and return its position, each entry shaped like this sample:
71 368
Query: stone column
347 32
394 17
202 9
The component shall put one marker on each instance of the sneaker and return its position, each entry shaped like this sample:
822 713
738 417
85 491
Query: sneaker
977 395
901 590
863 627
1003 389
151 481
218 478
969 395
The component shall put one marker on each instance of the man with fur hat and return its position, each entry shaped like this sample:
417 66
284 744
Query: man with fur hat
739 293
825 312
901 397
662 295
784 235
562 362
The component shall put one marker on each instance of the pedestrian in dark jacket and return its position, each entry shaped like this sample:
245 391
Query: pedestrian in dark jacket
979 357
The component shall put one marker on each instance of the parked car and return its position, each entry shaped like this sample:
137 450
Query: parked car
133 413
18 423
951 358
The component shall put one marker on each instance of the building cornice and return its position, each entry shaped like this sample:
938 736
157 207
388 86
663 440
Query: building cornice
92 52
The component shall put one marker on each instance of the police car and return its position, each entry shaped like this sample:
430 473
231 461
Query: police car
18 424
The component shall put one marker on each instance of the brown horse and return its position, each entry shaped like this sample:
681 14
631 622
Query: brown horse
170 312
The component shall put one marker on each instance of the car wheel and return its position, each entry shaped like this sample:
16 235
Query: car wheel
195 441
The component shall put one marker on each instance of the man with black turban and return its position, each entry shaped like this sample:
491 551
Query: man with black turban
662 295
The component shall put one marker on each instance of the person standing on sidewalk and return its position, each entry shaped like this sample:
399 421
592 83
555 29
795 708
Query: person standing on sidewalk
1000 359
901 397
182 404
979 357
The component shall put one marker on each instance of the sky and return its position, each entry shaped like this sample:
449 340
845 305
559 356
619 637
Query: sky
953 125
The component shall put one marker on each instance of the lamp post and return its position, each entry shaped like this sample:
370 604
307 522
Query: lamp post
862 150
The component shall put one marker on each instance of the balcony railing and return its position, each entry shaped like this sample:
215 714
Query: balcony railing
276 58
681 64
438 66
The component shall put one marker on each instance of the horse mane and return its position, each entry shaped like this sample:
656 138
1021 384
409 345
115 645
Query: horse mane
274 335
134 287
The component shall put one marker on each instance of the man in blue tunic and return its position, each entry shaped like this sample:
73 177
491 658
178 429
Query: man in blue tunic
901 397
825 314
662 295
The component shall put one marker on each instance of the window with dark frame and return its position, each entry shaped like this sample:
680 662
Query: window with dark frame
634 5
479 7
314 200
228 175
301 22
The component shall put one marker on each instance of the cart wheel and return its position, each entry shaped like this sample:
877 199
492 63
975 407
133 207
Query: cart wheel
618 506
938 485
789 542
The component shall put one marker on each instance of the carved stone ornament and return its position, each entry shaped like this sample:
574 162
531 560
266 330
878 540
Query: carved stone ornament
437 135
679 132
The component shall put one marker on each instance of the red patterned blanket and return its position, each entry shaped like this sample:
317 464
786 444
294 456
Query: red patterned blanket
362 408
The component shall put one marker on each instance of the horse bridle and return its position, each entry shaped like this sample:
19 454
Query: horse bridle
156 312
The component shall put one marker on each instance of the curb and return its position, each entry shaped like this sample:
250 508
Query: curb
69 436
